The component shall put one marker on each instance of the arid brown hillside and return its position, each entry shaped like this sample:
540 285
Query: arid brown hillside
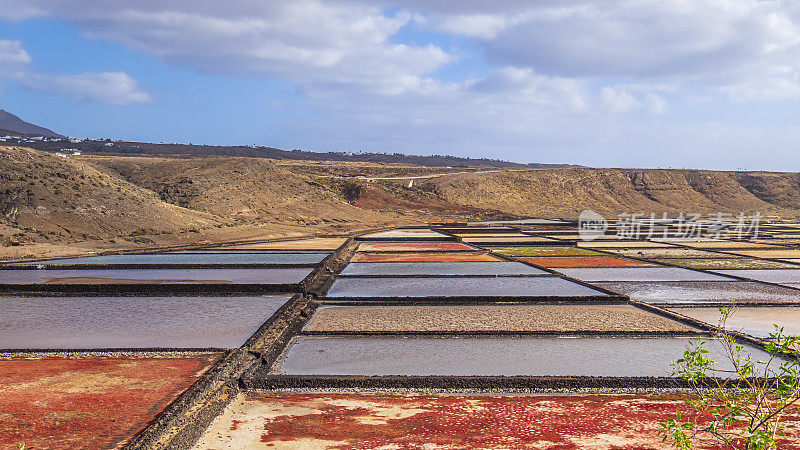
244 188
59 197
565 192
170 200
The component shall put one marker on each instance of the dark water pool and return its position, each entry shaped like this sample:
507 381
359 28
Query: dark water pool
132 322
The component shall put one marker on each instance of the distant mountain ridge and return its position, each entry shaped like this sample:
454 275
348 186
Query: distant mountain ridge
153 149
11 124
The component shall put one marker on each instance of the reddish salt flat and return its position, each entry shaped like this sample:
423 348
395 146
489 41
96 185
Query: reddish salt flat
346 421
89 401
585 261
414 247
424 257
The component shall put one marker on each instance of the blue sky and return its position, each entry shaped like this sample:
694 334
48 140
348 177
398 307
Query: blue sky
640 83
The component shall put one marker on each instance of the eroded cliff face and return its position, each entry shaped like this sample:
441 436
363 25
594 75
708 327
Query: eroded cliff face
565 192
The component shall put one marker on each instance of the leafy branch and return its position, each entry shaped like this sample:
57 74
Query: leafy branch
741 406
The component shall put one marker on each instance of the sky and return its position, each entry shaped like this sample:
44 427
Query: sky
641 83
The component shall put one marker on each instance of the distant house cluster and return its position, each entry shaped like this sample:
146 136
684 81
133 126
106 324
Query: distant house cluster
20 139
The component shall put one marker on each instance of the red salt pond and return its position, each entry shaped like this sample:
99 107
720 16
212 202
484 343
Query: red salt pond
585 261
346 421
89 401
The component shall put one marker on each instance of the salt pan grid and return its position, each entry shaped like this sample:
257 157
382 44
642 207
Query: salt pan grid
756 321
414 247
90 401
616 243
768 275
132 322
21 277
490 356
556 250
442 268
724 263
640 274
584 261
491 317
702 292
570 325
190 258
437 421
672 252
423 257
421 287
405 234
769 254
299 244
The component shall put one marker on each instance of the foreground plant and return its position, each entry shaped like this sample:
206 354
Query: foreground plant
745 412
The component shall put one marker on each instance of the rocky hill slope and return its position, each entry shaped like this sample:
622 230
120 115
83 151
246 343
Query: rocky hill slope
62 198
159 199
565 192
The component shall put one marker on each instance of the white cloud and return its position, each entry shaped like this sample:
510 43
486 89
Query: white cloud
311 42
483 26
115 88
13 59
619 101
526 86
655 103
329 46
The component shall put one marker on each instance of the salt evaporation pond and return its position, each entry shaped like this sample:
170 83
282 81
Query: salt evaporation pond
459 287
191 258
640 274
442 268
768 275
755 321
132 322
702 292
490 356
562 318
153 276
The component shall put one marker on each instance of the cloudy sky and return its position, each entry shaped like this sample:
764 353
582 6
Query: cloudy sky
639 83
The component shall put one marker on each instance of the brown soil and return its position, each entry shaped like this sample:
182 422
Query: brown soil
92 203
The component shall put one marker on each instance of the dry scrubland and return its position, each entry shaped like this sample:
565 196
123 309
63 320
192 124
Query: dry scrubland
51 205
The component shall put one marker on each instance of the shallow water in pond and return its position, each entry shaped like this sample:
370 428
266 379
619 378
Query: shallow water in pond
702 292
194 258
132 322
458 287
488 356
442 268
768 275
755 321
153 276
